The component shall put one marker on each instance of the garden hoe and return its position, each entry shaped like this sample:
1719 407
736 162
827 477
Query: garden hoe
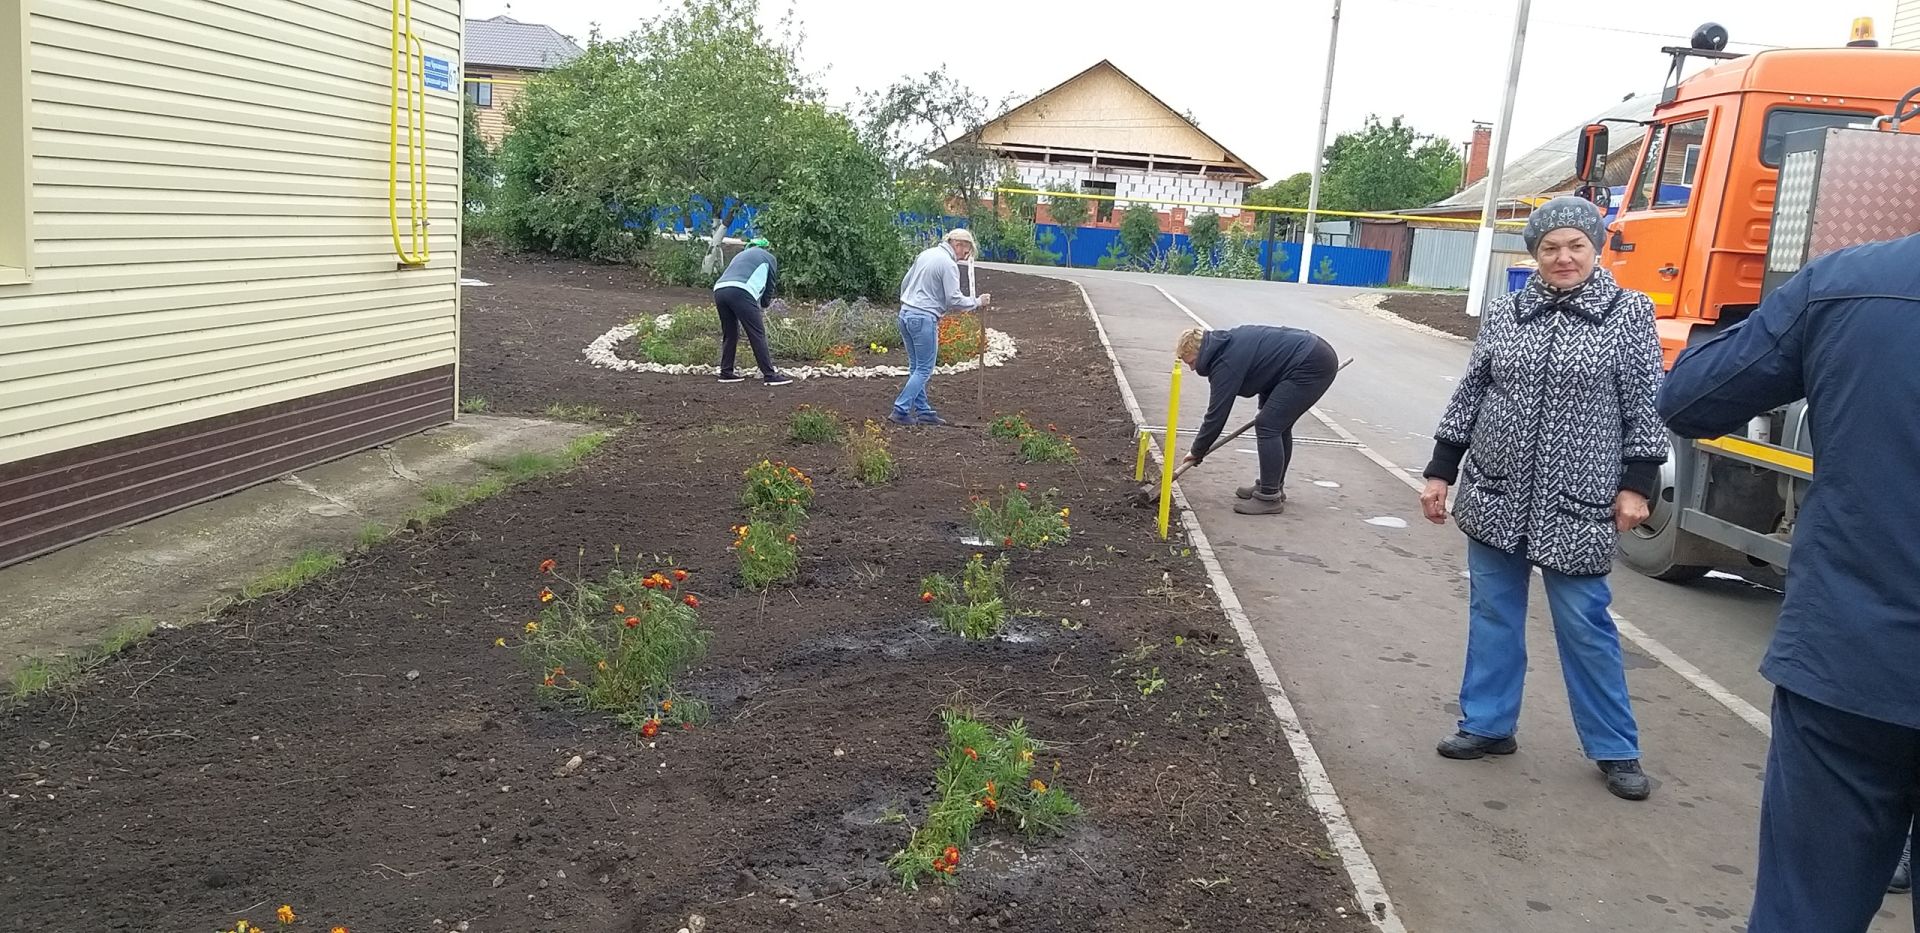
1149 493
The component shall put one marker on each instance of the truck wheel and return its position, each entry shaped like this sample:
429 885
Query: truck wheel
1649 549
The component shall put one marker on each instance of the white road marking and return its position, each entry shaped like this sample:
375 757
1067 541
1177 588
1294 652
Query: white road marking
1689 672
1388 521
1325 801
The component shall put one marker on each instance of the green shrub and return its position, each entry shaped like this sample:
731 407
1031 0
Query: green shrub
975 607
872 461
776 490
768 550
677 263
810 425
1048 447
1022 522
1010 427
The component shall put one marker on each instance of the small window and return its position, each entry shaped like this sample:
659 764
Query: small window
480 92
1782 122
1666 174
1102 210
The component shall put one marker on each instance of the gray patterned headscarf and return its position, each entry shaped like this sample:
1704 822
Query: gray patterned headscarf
1560 213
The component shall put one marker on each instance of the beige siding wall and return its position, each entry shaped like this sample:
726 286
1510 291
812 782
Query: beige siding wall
210 229
1906 25
493 120
1102 110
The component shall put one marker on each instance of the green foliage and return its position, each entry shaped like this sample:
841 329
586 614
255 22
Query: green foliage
1291 191
478 167
1323 273
1010 427
1140 234
1241 258
1387 167
310 565
985 775
474 405
691 333
976 607
617 645
1022 522
1069 213
920 115
1048 447
810 425
776 489
1203 234
1115 257
769 551
677 263
868 452
831 212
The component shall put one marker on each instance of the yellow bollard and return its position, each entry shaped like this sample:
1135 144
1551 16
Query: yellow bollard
1167 453
1140 460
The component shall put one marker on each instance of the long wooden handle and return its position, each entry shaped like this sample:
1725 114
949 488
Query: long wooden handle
1215 448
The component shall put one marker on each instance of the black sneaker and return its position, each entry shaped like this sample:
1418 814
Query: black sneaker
934 420
1465 746
905 421
1625 780
1903 875
729 378
779 379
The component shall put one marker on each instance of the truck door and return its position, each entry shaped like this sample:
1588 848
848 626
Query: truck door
1647 249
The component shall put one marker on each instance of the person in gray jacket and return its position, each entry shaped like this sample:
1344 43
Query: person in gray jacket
1561 444
930 289
749 285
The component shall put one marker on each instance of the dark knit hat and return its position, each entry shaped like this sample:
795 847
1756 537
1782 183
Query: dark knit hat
1559 214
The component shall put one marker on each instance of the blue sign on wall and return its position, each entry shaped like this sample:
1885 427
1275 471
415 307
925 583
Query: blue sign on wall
437 74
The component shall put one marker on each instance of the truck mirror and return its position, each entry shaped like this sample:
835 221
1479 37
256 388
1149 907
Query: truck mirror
1590 158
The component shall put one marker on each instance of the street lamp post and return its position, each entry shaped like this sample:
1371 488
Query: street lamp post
1319 151
1490 210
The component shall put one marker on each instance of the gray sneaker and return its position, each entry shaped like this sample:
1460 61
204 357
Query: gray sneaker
1625 780
1465 746
1246 492
1903 875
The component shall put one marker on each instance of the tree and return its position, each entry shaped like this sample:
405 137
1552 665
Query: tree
1290 192
1140 234
1387 167
831 215
682 116
918 116
476 165
1203 235
1069 213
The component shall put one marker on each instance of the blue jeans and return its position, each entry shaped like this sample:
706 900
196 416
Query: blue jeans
1496 672
1840 798
920 334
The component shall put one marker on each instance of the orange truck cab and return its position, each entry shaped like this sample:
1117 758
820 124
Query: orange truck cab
1696 232
1692 231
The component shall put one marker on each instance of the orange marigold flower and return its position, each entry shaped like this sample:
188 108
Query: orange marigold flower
602 665
992 805
686 727
338 930
666 706
548 681
619 608
952 854
926 597
650 728
1023 487
793 539
973 754
989 788
559 672
691 601
285 914
546 566
1039 786
546 596
681 575
633 621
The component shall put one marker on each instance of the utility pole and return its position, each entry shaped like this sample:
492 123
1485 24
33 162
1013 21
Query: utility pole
1490 210
1319 152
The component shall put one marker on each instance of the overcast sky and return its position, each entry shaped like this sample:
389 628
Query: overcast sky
1251 72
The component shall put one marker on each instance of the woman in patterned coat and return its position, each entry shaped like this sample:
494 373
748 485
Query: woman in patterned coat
1554 441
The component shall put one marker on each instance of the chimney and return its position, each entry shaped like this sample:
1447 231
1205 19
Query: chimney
1477 153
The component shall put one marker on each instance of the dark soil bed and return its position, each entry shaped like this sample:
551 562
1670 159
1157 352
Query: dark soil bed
361 750
1447 313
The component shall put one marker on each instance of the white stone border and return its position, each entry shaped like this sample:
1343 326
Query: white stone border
604 353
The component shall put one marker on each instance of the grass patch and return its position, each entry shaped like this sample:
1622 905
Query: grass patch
372 533
1010 427
810 425
1048 447
975 607
985 775
310 565
585 414
474 405
43 675
769 552
870 456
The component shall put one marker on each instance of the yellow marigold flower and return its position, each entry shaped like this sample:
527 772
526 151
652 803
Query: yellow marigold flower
499 643
666 706
533 627
1039 786
1026 754
285 913
338 930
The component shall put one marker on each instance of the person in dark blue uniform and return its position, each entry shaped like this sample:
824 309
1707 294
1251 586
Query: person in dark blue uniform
1843 772
1287 368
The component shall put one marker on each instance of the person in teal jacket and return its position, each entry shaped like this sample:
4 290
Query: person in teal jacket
749 285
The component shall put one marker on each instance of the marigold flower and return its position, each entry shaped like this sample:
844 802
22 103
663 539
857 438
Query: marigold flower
793 539
546 566
533 627
992 805
559 672
618 608
666 706
548 681
285 913
633 621
989 788
926 597
1007 543
1065 512
973 754
1023 487
546 596
952 854
692 602
499 643
686 727
602 665
1026 754
681 575
1039 786
650 728
338 930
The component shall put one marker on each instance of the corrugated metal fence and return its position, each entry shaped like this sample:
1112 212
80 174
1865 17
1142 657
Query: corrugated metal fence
1444 258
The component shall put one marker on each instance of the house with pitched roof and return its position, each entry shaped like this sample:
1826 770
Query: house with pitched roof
502 53
1102 132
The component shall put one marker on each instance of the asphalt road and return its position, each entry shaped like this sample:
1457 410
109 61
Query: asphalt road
1361 605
